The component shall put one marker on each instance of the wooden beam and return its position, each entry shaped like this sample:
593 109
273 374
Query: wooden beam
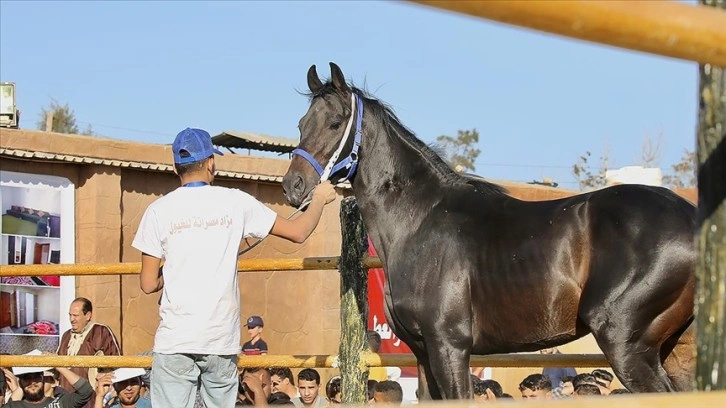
133 268
668 28
320 361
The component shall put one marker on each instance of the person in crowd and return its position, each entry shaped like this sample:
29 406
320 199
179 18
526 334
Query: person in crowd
565 390
487 390
619 391
146 385
255 346
197 229
5 377
31 389
380 373
308 385
104 394
556 374
126 384
603 377
586 389
86 338
536 386
587 378
255 389
371 390
51 383
283 381
388 392
333 392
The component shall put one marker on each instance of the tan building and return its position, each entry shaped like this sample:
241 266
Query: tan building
112 183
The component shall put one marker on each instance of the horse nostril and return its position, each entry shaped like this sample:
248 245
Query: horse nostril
298 186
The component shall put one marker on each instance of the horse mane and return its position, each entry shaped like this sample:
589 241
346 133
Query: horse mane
385 114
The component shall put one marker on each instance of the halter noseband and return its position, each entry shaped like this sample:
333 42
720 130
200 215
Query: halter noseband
351 161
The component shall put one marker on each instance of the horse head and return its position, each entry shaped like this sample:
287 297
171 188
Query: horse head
329 137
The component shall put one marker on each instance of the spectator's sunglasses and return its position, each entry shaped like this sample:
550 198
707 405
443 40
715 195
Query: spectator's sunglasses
127 383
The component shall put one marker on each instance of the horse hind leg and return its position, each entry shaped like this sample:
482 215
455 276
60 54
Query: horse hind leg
678 356
631 347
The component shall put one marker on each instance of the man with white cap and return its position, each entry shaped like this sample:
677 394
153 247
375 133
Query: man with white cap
127 384
31 383
197 230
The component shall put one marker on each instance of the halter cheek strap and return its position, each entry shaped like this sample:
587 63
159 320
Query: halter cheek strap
351 161
305 155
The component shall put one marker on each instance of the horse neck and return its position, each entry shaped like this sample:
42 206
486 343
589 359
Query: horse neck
396 184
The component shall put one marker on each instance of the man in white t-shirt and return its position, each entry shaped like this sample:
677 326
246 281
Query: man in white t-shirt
197 229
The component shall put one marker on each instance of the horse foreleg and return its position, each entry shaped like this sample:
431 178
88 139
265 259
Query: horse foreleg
451 365
423 393
427 389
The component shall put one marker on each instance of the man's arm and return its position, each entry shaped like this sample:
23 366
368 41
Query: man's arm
103 383
253 386
83 390
16 393
151 279
299 229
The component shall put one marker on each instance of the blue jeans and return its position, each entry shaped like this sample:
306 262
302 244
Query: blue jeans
174 380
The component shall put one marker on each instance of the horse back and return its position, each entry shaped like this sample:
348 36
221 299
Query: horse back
539 258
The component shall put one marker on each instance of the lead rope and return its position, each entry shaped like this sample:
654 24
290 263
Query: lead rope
302 207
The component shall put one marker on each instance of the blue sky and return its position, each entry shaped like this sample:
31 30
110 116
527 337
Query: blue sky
145 70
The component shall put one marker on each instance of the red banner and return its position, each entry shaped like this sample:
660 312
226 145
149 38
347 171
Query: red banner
390 344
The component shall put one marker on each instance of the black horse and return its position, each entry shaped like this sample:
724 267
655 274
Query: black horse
470 269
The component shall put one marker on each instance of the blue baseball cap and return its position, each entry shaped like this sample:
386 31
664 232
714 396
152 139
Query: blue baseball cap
254 321
193 145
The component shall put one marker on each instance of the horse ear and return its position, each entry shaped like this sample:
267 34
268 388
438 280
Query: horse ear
338 78
314 83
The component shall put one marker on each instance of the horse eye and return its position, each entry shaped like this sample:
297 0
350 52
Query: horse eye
335 125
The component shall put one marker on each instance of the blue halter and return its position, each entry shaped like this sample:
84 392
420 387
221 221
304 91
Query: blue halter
350 162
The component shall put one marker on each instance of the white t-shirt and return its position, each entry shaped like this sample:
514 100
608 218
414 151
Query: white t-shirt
197 232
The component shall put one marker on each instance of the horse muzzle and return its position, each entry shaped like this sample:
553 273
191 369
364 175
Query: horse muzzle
295 188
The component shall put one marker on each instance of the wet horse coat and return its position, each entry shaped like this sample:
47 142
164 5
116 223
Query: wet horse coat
472 270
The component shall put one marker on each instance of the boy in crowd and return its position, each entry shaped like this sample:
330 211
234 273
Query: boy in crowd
283 381
487 390
308 385
388 392
586 389
255 346
536 386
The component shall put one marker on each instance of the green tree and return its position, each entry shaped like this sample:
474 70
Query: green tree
683 173
460 151
64 119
